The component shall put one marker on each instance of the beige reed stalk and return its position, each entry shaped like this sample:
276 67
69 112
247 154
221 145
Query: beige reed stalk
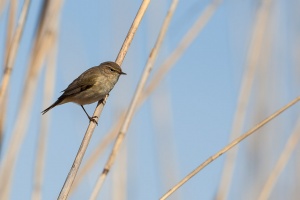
21 124
88 134
228 147
38 176
289 148
176 54
92 159
9 34
42 44
134 101
14 45
11 20
244 96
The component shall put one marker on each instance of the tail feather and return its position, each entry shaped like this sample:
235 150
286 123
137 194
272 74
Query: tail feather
52 106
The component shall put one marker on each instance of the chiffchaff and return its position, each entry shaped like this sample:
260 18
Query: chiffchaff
91 86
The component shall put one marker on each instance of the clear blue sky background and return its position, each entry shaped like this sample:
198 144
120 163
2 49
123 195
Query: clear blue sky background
200 94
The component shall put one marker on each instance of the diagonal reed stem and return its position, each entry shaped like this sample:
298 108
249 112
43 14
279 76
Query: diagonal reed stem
92 159
13 5
289 148
228 147
14 45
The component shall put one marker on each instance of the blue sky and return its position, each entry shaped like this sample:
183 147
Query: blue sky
195 102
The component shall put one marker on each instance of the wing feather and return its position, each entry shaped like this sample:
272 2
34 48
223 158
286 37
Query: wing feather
82 83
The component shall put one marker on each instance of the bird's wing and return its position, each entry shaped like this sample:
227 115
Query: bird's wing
85 81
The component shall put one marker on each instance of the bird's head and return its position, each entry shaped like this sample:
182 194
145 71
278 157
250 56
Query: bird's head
111 68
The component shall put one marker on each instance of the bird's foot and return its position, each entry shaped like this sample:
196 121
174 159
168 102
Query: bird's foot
92 119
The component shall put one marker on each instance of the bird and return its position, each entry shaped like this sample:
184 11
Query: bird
91 86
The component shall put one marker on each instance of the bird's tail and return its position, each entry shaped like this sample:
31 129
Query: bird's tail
52 106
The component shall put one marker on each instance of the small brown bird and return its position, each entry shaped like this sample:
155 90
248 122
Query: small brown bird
91 86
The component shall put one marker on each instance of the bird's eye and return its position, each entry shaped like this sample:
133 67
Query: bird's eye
111 70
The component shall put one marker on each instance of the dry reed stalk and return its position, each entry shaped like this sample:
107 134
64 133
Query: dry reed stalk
228 147
88 134
134 101
12 45
8 163
9 34
244 95
187 40
12 52
43 42
3 109
90 162
289 148
13 5
44 128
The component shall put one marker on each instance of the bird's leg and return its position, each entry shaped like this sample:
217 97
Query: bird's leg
90 118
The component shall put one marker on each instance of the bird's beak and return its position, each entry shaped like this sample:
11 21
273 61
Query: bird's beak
123 73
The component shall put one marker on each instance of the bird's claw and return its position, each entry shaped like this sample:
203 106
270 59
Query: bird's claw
92 119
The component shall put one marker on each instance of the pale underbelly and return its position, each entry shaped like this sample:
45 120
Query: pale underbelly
87 98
